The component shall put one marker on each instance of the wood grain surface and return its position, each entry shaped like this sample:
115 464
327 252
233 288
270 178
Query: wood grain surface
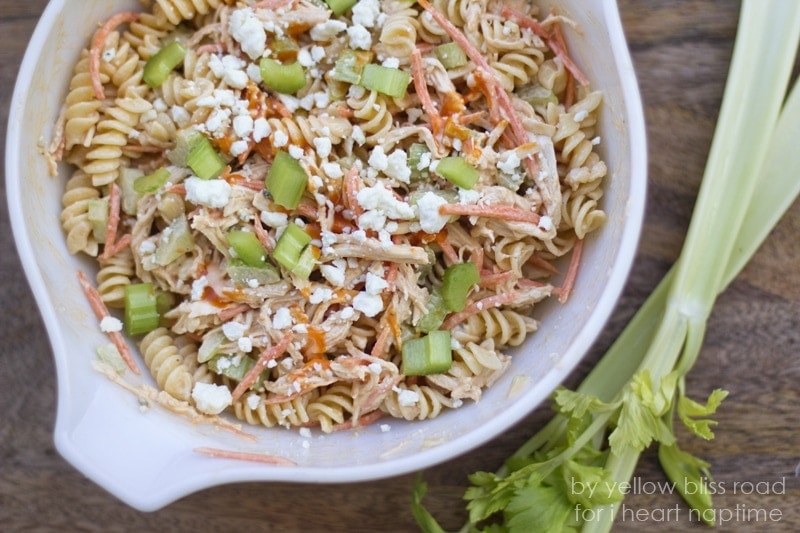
681 51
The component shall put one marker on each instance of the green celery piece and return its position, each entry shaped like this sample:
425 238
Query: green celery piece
385 80
97 215
284 78
176 242
247 247
456 170
286 180
457 282
340 6
158 67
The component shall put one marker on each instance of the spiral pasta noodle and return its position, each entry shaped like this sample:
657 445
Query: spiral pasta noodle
166 364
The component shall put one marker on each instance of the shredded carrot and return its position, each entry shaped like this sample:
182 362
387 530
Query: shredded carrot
263 235
232 311
504 212
476 256
96 48
449 252
421 88
572 272
476 307
273 4
211 48
122 243
266 356
178 188
351 186
114 200
238 179
101 312
245 456
491 279
544 264
379 348
363 420
555 43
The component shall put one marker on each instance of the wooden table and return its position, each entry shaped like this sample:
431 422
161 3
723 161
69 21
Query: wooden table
681 50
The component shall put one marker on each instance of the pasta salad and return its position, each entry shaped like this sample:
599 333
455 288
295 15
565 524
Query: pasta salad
316 213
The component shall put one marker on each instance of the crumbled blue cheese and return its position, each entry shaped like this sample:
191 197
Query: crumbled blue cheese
375 284
429 218
198 287
545 223
273 219
397 166
327 30
261 129
110 324
369 304
233 330
282 318
360 37
212 193
253 401
320 294
380 198
248 31
334 273
210 398
245 344
323 146
405 397
366 13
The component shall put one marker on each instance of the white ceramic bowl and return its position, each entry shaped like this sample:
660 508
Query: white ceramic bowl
147 459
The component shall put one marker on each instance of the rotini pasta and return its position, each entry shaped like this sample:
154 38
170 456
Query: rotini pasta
302 233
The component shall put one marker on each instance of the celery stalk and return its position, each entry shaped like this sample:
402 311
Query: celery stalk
746 188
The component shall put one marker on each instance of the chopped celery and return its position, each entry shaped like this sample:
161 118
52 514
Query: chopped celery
97 214
416 153
340 6
350 64
536 95
151 182
176 240
130 198
437 311
450 55
431 354
286 180
290 246
243 275
234 367
248 248
457 171
386 80
109 355
285 78
141 312
159 66
306 262
456 284
203 158
184 141
210 346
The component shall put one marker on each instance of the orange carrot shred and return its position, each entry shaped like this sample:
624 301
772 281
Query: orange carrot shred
504 212
266 356
572 272
476 307
96 48
421 88
245 456
101 312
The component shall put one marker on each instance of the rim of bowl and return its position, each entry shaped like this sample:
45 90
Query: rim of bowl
623 262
